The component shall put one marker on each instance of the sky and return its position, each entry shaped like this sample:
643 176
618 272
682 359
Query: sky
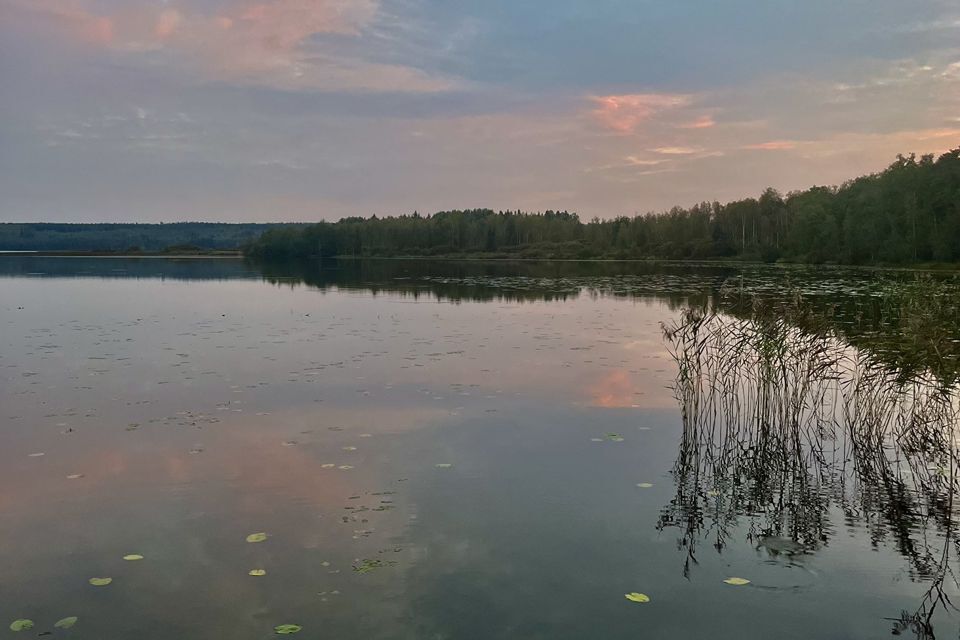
294 110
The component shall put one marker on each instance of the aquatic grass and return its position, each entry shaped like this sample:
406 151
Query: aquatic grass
784 419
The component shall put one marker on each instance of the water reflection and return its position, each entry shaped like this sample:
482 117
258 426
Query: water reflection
462 450
795 436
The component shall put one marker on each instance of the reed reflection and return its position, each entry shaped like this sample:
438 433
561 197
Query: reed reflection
785 426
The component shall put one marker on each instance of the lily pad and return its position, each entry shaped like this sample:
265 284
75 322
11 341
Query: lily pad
21 625
644 485
100 582
258 572
256 537
66 623
287 629
737 582
637 597
132 557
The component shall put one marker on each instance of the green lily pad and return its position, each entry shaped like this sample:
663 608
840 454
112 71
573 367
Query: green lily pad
737 582
256 537
637 597
132 557
100 582
287 629
258 572
66 623
21 625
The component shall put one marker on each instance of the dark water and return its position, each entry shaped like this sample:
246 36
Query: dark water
435 450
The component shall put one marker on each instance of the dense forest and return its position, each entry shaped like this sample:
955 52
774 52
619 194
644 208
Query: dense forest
128 238
908 213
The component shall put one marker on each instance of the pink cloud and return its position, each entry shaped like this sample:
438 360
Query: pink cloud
68 16
703 122
773 145
167 23
625 113
266 42
678 151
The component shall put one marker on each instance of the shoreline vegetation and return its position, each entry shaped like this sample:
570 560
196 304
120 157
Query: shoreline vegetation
238 254
907 214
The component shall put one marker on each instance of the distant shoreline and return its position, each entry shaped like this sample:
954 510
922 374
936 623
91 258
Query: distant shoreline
110 254
237 255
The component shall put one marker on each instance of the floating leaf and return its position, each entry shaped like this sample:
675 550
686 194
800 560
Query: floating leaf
66 623
644 485
328 465
256 537
637 597
133 556
287 629
444 465
615 437
345 467
100 582
21 625
737 582
258 572
74 476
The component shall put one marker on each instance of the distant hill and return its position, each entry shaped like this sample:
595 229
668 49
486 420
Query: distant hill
45 236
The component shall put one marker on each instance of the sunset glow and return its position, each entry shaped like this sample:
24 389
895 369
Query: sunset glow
317 109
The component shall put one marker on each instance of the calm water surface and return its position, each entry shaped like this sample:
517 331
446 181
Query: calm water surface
434 450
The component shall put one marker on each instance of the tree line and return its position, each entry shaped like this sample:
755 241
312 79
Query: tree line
128 237
907 213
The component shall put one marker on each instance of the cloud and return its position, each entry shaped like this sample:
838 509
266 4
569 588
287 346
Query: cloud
69 17
679 151
625 113
703 122
772 145
271 43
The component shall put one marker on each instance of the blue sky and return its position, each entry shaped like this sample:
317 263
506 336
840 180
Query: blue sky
307 109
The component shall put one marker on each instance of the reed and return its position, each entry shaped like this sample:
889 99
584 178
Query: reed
786 427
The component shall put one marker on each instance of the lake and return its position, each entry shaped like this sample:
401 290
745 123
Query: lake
439 450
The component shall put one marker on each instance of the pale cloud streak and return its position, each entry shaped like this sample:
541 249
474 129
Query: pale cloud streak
626 113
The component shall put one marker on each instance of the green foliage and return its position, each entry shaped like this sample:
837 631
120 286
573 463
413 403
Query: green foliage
908 213
128 238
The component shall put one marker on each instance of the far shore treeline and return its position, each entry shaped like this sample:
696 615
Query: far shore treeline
131 238
908 213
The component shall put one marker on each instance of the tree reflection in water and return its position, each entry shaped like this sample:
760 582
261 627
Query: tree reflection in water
783 420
